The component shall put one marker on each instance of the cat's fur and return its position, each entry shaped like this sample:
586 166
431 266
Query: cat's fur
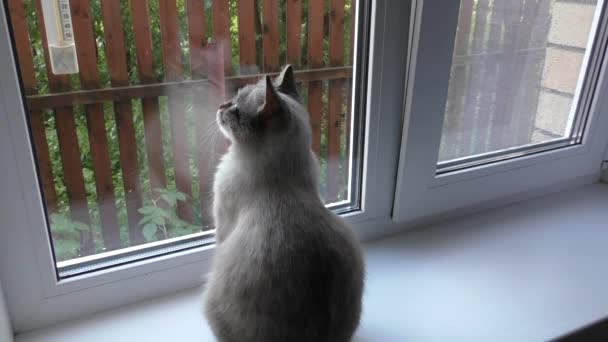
286 269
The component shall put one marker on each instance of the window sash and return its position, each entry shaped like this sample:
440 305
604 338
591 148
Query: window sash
583 96
352 205
36 298
422 194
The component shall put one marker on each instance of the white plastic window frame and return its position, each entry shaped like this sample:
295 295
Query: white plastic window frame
35 298
422 196
604 176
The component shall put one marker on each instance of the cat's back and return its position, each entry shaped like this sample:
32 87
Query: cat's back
293 230
296 224
293 267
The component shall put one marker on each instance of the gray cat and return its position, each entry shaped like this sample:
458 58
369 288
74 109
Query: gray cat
286 269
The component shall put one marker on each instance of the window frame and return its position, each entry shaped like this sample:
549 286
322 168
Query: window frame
422 195
35 297
399 186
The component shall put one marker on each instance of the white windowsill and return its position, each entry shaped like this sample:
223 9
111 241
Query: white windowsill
528 272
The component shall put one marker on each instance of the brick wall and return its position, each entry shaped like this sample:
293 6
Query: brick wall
568 38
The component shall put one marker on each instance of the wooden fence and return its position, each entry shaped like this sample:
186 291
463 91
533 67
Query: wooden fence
496 76
122 83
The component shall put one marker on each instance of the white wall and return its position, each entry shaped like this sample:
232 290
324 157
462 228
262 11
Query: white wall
6 333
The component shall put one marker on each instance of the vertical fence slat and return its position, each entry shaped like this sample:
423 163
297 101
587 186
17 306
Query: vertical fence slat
536 22
68 144
197 38
247 50
172 60
349 85
26 67
23 47
348 93
89 79
119 77
508 76
353 14
221 31
150 108
523 119
315 60
202 113
171 50
270 35
453 128
474 85
505 75
336 58
294 32
489 71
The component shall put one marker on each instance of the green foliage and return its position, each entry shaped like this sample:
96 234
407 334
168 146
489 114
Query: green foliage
160 217
66 236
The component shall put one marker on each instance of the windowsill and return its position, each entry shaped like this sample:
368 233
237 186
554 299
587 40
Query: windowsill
531 271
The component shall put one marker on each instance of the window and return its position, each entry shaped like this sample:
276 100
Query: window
503 102
520 79
79 154
421 110
122 112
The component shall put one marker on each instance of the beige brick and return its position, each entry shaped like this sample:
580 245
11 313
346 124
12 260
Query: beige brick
562 69
571 23
552 112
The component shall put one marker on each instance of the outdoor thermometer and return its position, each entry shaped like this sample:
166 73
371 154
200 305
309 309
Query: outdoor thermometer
60 36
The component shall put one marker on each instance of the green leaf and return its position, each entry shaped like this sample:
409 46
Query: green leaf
180 223
147 210
149 232
63 226
168 214
80 226
144 220
180 196
158 220
59 223
170 199
65 249
160 190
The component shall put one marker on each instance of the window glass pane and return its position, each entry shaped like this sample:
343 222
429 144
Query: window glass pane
126 147
517 78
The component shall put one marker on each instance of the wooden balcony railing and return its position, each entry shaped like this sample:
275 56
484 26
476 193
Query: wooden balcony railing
137 115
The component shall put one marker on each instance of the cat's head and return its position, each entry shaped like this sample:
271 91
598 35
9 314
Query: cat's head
266 114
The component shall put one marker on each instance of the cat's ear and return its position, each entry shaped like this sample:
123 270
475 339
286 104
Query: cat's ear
287 82
271 102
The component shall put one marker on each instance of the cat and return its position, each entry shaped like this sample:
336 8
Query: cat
286 269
